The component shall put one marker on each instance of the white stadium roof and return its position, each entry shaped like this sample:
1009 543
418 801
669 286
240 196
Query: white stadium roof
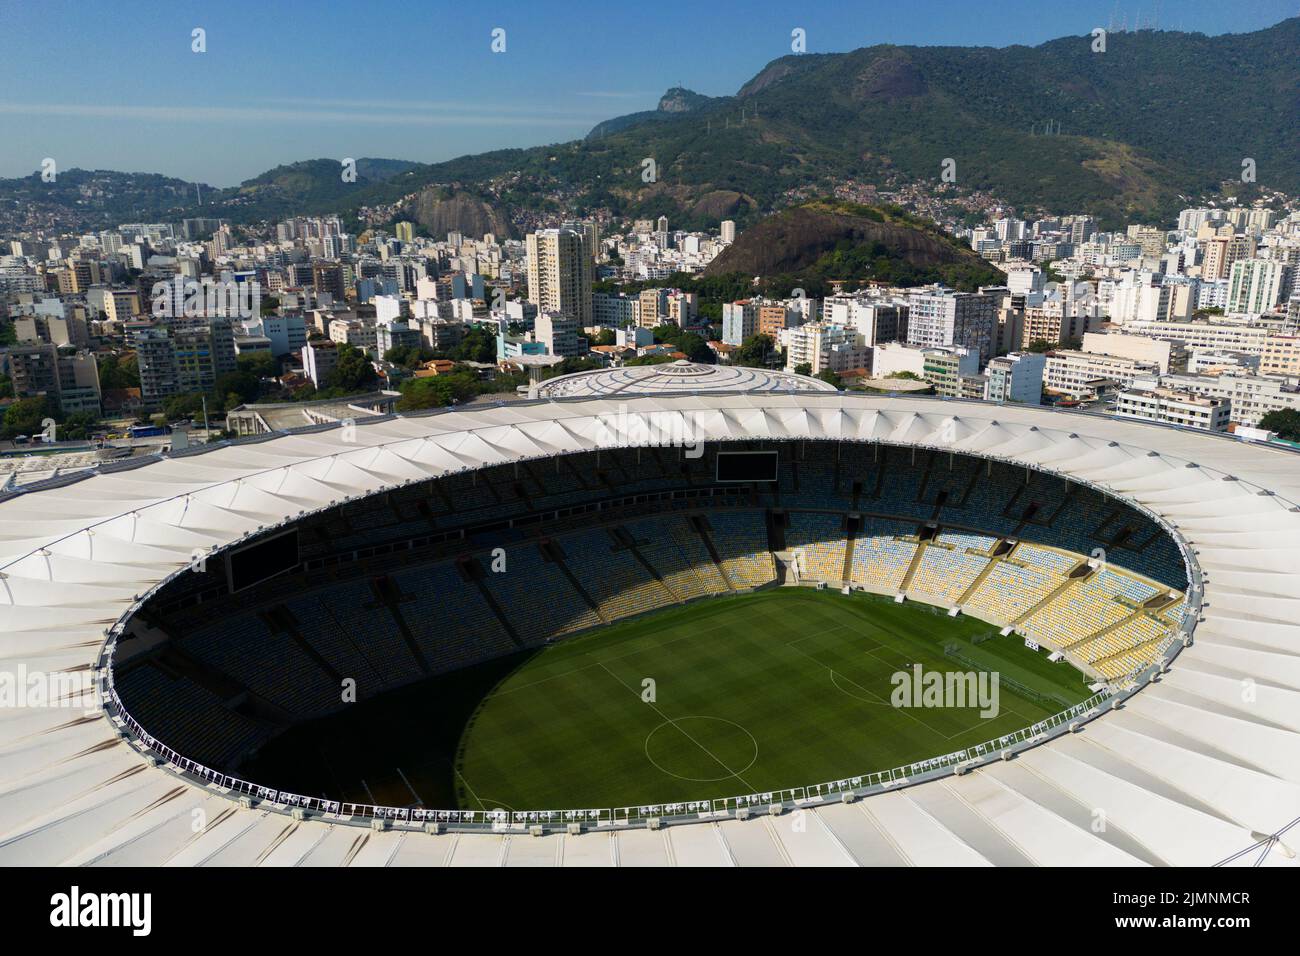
1199 767
676 377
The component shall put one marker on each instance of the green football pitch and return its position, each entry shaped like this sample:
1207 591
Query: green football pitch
738 695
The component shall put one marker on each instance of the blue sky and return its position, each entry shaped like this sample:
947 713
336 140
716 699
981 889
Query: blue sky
116 85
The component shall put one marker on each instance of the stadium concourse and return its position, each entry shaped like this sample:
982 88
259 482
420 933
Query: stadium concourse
1200 765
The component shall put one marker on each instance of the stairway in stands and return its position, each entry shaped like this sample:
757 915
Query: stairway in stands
984 573
473 572
852 526
390 597
623 538
1051 596
776 539
700 527
552 551
911 568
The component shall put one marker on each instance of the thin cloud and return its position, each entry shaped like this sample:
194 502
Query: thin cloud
458 106
614 94
234 114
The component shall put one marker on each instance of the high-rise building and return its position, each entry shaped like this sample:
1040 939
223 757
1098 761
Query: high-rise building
1222 247
200 227
33 369
187 357
1255 285
945 368
79 276
943 319
558 332
318 361
559 273
328 277
739 321
69 379
874 320
728 230
683 307
1017 377
1053 327
654 307
1089 374
823 346
121 305
774 318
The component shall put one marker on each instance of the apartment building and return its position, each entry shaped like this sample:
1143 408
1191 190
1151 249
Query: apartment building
1088 375
1017 377
1170 407
943 319
559 273
1251 397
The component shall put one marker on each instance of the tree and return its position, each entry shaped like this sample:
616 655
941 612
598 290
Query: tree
409 356
119 371
261 364
478 345
830 377
754 351
353 373
27 416
77 426
241 386
573 364
1041 345
1284 421
179 408
803 368
696 349
438 391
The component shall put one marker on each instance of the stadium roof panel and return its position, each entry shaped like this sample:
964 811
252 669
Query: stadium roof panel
677 377
1193 770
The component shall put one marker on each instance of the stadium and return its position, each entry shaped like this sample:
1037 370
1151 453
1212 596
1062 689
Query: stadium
660 626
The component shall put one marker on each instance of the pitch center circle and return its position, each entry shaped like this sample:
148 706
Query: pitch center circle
705 749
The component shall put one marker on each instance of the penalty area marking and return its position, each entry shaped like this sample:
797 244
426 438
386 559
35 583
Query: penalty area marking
865 700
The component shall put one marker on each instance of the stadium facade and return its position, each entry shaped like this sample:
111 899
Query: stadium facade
1192 758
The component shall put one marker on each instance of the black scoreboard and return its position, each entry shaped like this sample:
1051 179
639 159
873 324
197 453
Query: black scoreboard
746 466
262 560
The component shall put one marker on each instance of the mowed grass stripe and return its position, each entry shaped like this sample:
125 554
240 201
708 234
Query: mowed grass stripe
570 729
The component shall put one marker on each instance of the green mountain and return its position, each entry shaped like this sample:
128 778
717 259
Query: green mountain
88 199
825 240
672 105
1156 119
